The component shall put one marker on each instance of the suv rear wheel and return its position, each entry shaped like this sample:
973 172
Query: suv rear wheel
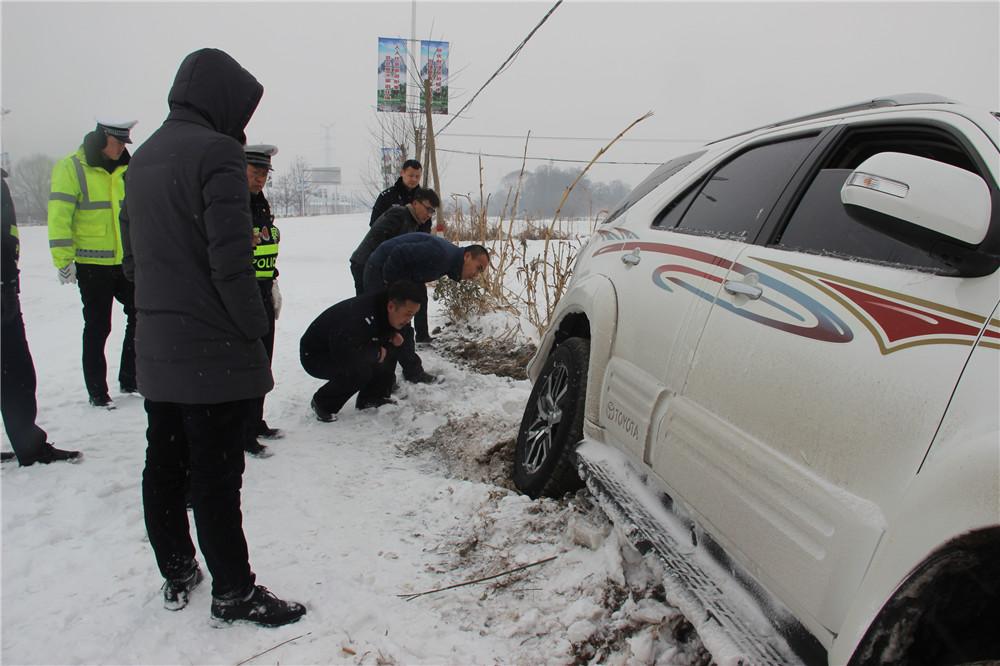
552 425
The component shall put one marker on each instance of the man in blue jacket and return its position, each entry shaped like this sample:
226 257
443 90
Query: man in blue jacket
421 258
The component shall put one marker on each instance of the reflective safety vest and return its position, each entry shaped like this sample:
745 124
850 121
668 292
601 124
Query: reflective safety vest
83 212
265 254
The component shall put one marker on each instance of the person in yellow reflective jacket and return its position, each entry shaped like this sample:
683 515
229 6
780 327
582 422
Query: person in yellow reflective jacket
85 240
265 255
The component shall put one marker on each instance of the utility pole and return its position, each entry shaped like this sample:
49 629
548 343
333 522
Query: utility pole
432 151
328 152
327 142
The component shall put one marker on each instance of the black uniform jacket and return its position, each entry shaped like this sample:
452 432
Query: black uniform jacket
347 336
263 225
397 195
396 221
187 236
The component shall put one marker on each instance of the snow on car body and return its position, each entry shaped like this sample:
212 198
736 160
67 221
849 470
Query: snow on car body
791 337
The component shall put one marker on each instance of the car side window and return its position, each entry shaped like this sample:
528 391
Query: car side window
651 182
820 222
737 197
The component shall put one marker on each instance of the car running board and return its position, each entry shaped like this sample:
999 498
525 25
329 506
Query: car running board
731 624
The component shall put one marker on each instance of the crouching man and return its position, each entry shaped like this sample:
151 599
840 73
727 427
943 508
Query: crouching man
354 344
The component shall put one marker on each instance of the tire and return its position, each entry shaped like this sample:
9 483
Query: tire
552 425
940 616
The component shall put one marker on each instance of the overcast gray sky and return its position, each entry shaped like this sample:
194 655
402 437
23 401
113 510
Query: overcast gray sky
706 69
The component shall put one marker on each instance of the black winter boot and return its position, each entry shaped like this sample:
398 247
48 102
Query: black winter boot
176 592
258 450
266 432
260 607
51 454
322 414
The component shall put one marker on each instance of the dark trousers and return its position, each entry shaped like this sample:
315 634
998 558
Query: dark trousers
17 385
369 380
205 442
100 287
265 294
420 319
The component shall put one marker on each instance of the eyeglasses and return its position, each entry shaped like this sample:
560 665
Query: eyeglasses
430 209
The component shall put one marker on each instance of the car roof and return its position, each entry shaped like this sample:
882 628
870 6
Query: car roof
903 99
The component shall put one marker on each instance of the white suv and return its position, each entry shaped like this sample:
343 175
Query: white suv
780 357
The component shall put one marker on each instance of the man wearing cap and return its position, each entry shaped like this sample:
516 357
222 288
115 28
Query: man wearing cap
265 255
84 237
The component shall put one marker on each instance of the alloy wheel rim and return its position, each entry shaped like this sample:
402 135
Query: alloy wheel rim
548 416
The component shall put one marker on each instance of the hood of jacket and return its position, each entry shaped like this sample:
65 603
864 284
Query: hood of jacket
93 147
212 84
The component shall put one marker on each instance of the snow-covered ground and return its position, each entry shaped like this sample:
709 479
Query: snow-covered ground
345 517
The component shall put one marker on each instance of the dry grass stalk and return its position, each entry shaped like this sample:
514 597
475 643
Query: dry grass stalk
543 278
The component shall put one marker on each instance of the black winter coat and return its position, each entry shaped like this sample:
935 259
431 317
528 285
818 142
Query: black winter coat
396 221
347 336
418 257
397 195
188 241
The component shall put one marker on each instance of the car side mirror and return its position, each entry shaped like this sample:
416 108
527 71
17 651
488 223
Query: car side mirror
934 206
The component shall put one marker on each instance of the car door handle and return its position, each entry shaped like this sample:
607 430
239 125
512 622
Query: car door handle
751 291
632 258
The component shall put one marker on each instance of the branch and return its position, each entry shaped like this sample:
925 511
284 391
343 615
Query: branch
272 648
411 597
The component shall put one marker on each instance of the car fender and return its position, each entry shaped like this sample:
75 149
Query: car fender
594 298
957 490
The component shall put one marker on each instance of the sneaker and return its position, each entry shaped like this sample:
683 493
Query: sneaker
7 456
260 607
128 388
266 432
177 592
423 339
102 401
422 377
322 414
258 450
51 454
373 403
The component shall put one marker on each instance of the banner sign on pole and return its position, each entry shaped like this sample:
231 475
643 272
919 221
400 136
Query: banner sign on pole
391 74
434 66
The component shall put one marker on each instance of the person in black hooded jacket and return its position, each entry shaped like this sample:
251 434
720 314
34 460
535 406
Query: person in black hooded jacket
201 363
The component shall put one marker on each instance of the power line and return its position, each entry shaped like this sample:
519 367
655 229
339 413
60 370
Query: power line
544 159
576 138
506 62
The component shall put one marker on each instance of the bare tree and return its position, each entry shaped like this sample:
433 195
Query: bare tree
280 194
402 131
30 184
300 185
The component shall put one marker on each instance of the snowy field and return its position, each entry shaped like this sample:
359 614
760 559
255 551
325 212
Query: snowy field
345 517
